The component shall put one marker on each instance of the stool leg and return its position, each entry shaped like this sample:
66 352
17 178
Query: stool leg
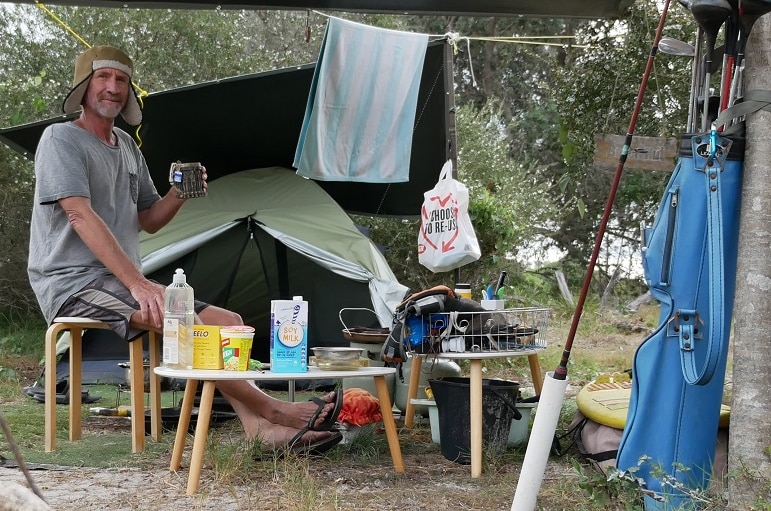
155 387
50 385
137 397
76 368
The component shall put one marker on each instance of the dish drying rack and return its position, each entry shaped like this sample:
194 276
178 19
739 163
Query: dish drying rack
499 331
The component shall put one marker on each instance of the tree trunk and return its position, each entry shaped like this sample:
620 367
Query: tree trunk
606 294
562 283
749 459
644 298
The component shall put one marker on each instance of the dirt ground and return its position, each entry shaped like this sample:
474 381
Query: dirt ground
337 482
341 481
431 483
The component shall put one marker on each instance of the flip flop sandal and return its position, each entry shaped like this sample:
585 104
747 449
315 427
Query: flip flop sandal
297 448
331 419
317 448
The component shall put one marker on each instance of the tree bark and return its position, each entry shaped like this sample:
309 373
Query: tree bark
562 283
608 292
749 459
644 298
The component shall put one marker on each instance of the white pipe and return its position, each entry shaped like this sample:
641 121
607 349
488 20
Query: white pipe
538 447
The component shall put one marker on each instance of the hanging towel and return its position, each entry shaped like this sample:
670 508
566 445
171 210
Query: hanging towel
360 114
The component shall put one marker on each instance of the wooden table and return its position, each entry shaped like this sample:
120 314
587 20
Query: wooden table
475 391
209 378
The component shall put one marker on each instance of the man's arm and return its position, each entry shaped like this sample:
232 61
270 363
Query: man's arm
161 212
100 240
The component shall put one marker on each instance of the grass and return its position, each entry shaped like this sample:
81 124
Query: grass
26 417
293 483
357 475
22 336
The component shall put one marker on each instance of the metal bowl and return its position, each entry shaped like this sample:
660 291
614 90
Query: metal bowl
341 353
339 359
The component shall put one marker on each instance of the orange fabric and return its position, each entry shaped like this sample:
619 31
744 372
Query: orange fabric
359 407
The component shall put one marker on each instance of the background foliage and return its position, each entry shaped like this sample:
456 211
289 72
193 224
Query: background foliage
527 115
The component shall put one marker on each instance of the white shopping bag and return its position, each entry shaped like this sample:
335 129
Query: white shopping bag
446 239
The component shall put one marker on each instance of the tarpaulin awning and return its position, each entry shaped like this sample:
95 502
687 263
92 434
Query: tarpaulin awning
253 121
540 8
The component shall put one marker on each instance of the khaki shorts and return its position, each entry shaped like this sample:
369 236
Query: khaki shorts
107 300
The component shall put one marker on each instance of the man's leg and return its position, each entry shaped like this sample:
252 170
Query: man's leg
107 299
251 403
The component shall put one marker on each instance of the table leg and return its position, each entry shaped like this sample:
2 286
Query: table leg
184 422
475 400
201 432
389 423
412 389
535 373
292 387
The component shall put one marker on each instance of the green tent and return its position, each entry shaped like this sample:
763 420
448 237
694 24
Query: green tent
268 234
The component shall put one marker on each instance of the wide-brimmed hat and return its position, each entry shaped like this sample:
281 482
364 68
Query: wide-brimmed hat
98 57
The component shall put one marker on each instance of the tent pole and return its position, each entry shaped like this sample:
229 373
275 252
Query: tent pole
449 109
449 120
282 265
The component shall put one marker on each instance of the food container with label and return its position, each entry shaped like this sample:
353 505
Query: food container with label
236 342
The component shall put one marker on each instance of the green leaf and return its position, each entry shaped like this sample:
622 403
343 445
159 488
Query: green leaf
581 207
568 150
563 134
563 182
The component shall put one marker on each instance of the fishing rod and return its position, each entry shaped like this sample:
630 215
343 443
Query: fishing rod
555 383
561 372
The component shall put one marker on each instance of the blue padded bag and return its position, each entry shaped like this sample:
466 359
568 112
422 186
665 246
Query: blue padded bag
689 259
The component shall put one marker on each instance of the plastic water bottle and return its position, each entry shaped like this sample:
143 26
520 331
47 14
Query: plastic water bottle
178 321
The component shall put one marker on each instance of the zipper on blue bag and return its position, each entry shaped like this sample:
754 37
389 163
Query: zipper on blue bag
670 235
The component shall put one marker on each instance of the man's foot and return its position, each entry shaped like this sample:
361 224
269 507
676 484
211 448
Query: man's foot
317 414
330 420
277 436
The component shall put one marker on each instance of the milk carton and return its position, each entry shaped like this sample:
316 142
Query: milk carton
289 335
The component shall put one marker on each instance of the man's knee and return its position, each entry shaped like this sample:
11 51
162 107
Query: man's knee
212 315
234 318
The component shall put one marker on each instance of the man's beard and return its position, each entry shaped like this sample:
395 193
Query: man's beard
108 109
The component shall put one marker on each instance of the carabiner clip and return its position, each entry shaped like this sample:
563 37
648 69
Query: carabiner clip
713 142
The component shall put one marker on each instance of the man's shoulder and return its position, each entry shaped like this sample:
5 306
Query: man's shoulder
59 127
55 137
61 130
122 134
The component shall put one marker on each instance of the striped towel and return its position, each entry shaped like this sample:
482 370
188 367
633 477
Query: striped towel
361 108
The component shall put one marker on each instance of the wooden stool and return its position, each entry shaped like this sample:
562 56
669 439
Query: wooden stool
76 327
